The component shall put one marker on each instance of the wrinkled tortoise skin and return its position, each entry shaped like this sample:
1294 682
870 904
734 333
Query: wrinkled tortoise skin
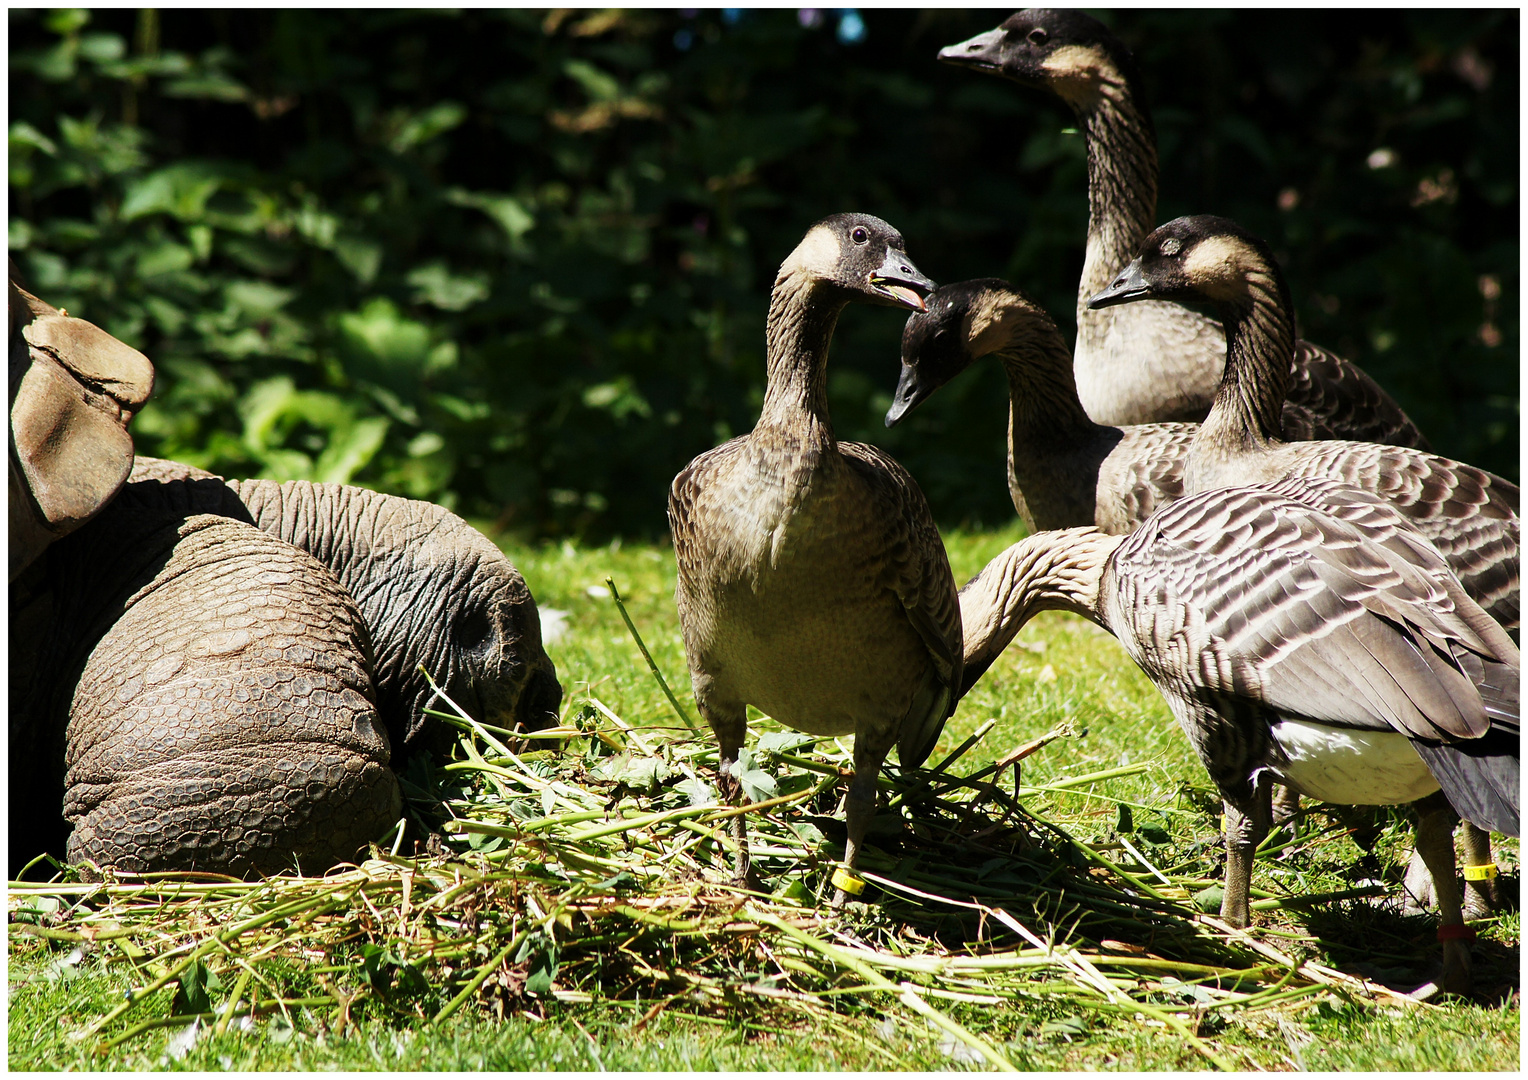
212 686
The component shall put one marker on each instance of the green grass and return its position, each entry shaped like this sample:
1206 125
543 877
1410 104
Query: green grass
711 984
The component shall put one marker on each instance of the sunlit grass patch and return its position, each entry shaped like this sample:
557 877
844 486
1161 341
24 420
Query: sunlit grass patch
578 912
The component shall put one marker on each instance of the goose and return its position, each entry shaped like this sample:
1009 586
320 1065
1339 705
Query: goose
1469 514
1333 653
1064 470
812 582
1074 57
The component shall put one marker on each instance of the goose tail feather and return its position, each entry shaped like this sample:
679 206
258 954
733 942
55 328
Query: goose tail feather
1480 778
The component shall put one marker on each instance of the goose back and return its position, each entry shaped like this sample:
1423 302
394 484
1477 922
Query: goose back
1250 609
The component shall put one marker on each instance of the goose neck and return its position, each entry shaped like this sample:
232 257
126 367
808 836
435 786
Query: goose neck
1061 569
1122 183
802 317
1249 404
1042 395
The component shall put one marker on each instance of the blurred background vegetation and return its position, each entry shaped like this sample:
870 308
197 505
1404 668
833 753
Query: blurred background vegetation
518 262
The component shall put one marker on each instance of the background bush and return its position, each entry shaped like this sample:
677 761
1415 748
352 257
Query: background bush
518 262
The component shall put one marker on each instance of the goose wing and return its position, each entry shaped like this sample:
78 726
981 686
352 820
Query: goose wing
915 568
1142 474
1331 398
1246 592
692 550
1468 514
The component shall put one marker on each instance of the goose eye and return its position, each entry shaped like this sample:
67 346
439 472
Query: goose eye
1038 36
1171 246
860 235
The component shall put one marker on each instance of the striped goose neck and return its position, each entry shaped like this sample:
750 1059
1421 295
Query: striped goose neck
1060 569
1042 392
1248 413
1122 184
802 316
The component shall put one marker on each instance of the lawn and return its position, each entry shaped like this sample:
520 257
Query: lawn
581 918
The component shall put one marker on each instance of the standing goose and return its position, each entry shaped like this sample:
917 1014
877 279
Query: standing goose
1075 58
1337 656
812 582
1470 515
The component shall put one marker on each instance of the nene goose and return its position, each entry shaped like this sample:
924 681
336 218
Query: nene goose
1470 515
1334 654
812 582
1064 470
1073 57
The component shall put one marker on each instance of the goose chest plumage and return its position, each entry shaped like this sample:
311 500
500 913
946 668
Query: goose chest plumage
1468 514
1333 653
812 582
1075 58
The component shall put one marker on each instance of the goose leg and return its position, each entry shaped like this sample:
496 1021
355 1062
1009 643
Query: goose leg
1286 804
1435 843
729 726
870 750
1481 898
1246 826
1417 886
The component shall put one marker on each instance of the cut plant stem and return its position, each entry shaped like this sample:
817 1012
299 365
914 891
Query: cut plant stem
651 664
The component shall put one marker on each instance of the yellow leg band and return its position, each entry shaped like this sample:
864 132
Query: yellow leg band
1484 872
848 881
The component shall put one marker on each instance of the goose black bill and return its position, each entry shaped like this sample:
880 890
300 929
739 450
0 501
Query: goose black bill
911 391
901 282
1130 284
981 52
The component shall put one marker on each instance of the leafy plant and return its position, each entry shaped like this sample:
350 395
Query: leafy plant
518 262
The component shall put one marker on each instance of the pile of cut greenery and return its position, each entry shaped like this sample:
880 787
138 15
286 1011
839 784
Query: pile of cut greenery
1026 909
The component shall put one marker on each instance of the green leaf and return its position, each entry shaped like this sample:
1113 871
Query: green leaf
208 86
163 258
23 135
384 339
102 48
435 284
363 258
783 742
67 20
180 190
698 792
349 451
509 212
1125 821
758 785
1209 899
599 85
197 985
412 131
256 298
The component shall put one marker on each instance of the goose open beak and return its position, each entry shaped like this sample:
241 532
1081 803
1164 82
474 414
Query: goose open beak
980 52
911 391
901 282
1130 284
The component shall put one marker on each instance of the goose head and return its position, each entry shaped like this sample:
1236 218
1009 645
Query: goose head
1065 53
964 322
1201 258
863 258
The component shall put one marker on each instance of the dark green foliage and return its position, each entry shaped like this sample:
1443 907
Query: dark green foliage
519 263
